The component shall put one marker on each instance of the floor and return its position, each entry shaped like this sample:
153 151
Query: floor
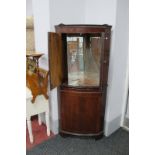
115 144
39 133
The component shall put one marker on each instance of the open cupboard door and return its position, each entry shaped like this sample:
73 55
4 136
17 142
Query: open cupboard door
55 59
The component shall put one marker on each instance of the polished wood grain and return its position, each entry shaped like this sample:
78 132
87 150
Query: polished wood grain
81 28
82 108
55 59
81 112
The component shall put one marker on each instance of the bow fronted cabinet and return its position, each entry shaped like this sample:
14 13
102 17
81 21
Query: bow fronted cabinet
78 65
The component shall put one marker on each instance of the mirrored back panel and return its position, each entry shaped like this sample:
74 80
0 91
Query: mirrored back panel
83 59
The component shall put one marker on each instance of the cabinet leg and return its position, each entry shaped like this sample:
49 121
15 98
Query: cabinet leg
63 135
99 137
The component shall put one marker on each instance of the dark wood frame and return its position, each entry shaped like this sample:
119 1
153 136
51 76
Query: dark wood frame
91 99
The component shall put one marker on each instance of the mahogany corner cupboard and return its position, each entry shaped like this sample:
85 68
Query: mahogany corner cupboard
78 65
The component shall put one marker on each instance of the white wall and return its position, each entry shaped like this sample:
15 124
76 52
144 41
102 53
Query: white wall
115 13
100 12
41 12
67 12
117 91
48 13
29 11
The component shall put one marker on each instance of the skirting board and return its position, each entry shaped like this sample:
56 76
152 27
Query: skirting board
112 126
126 123
54 124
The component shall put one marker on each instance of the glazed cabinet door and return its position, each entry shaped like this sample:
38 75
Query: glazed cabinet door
105 57
55 59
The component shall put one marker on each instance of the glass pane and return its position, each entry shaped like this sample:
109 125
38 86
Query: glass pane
83 55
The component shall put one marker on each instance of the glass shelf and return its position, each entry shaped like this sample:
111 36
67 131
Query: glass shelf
83 59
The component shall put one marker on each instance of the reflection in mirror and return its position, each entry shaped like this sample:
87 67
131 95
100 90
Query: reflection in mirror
83 54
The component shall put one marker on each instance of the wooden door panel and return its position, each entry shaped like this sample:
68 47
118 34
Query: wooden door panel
81 112
55 59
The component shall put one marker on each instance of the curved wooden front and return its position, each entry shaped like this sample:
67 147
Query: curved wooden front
81 112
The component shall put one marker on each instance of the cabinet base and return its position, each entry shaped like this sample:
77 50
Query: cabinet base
65 134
